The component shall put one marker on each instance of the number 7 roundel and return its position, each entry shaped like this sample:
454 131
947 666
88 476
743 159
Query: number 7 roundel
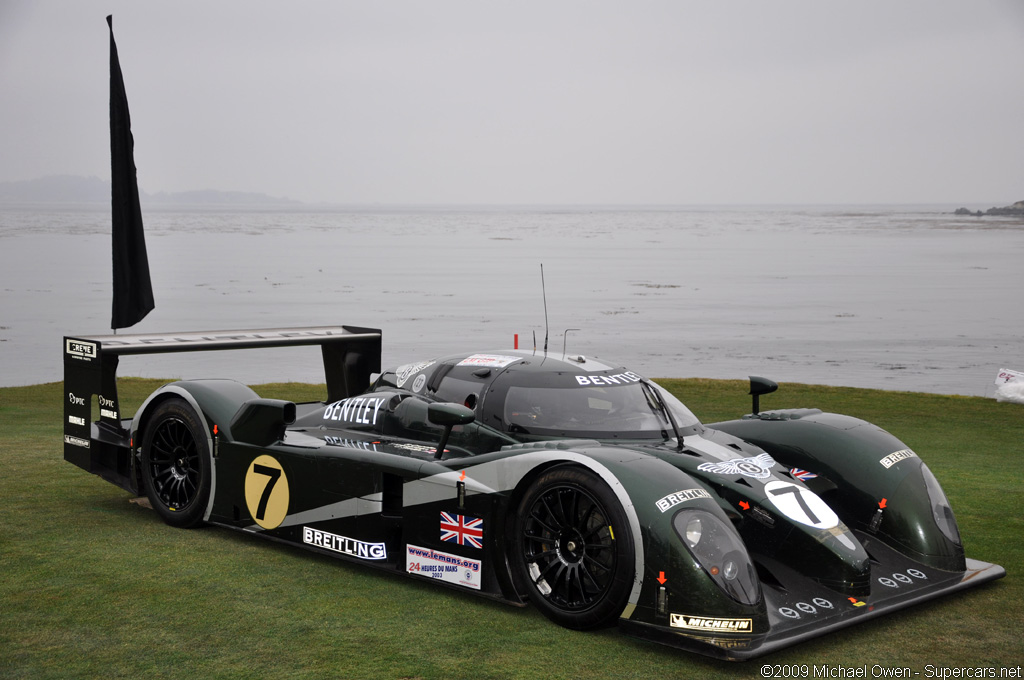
801 505
266 492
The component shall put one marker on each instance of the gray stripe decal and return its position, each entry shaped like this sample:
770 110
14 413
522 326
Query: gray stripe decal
487 478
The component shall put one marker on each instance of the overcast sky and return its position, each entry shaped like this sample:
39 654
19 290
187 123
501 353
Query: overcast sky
579 102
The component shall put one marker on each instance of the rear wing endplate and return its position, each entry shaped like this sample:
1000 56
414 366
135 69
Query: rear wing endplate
350 355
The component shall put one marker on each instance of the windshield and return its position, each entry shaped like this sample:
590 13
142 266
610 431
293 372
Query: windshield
633 410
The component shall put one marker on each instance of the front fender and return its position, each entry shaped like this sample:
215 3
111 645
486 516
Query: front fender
874 481
676 587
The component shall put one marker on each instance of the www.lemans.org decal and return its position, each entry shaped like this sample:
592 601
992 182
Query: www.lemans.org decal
449 568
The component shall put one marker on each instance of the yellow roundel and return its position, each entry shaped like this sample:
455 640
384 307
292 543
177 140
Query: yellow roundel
266 492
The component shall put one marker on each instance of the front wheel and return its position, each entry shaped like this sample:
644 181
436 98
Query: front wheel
176 467
572 549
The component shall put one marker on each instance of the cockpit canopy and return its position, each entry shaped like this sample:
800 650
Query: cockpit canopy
532 397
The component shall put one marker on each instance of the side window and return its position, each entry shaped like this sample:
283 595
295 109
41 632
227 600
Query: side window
479 438
409 421
459 391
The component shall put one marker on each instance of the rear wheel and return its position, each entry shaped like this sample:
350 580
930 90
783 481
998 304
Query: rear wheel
176 466
572 548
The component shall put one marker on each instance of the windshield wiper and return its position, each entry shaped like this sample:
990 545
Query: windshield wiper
655 401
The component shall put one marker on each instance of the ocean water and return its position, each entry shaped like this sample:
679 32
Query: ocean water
902 298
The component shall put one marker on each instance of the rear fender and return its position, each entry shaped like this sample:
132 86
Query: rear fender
217 401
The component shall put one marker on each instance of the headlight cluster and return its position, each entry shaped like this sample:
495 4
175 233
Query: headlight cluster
720 552
941 512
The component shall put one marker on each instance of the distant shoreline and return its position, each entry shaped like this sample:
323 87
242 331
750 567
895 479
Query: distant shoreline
62 190
1015 210
70 192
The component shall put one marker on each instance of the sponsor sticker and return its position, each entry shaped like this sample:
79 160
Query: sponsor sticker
76 441
107 407
674 499
896 457
488 360
806 608
79 349
462 530
758 467
461 571
355 411
76 420
344 545
707 623
350 443
421 448
403 373
627 378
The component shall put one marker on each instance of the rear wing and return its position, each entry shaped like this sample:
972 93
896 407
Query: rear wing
350 354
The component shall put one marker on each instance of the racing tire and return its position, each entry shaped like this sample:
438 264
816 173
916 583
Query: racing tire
176 466
572 550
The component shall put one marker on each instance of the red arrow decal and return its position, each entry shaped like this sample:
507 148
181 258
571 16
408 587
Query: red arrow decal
882 504
462 477
661 577
745 505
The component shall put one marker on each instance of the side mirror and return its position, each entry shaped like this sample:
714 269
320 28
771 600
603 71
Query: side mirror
448 416
759 386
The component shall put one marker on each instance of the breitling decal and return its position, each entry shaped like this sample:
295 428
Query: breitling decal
758 467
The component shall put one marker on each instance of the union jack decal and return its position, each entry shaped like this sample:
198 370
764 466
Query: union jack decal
802 475
462 530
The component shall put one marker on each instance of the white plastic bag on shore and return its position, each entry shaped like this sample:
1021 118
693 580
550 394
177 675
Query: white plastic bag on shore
1010 386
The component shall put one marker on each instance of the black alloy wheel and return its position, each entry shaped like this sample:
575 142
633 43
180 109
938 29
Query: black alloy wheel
573 549
176 464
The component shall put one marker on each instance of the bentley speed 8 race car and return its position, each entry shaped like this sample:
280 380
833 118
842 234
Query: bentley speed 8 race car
580 487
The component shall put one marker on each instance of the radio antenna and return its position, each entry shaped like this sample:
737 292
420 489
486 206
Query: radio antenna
565 339
544 293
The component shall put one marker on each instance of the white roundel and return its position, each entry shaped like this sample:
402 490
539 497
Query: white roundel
801 505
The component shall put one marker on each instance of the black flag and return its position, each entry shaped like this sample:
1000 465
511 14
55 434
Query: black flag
133 291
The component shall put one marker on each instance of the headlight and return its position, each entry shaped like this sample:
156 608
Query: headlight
693 530
720 552
942 513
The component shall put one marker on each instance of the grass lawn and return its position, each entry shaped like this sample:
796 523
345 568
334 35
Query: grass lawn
94 585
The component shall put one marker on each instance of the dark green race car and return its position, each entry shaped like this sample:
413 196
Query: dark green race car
582 488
